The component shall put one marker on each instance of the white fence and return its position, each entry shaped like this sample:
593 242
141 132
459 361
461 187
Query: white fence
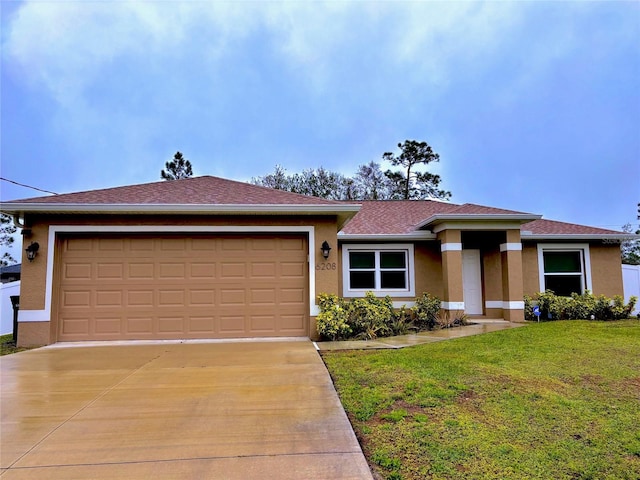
6 309
631 282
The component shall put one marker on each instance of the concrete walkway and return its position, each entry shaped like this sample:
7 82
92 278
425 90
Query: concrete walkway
248 410
477 327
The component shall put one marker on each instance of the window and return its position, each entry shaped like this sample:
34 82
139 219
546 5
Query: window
383 269
564 269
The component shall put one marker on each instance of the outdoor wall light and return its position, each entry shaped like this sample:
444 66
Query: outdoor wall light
325 249
32 250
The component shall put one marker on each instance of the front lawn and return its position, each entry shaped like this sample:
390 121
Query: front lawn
550 400
7 346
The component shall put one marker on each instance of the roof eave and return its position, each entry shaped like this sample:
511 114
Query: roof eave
611 237
372 237
474 217
126 208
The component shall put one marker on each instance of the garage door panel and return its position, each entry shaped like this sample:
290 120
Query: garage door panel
293 244
232 244
108 298
263 323
140 298
201 325
139 325
264 270
171 298
79 245
111 245
233 270
292 296
76 299
172 244
142 245
77 271
199 298
263 297
75 326
291 323
173 271
108 326
109 271
212 286
171 324
232 297
201 271
292 270
232 324
261 245
141 271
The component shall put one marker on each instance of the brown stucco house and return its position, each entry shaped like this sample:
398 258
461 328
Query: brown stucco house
207 257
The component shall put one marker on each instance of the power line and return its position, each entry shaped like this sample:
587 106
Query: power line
27 186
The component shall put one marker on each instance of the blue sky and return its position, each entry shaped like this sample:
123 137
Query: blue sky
532 106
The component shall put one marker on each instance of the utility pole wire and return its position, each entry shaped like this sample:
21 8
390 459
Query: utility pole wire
27 186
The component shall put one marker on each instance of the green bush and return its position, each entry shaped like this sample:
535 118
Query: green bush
332 321
426 311
578 307
402 321
370 317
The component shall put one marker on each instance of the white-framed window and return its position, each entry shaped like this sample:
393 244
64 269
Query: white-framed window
382 269
564 268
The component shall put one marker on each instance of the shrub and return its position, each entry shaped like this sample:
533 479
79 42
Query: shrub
332 321
402 321
426 311
575 307
370 317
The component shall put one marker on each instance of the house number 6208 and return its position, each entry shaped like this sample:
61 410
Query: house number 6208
326 266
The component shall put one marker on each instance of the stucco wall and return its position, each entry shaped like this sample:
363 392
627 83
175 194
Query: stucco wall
428 266
33 274
606 269
530 274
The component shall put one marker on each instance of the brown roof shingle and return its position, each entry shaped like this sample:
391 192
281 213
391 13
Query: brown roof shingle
552 227
398 217
393 217
206 190
474 209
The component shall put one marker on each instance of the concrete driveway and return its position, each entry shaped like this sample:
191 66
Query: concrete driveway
174 410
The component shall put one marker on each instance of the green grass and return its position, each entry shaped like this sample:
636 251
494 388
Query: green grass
551 400
7 346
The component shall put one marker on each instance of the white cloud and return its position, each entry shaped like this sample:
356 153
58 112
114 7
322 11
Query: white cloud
65 45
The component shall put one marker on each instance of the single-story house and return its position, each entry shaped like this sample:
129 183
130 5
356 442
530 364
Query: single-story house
207 257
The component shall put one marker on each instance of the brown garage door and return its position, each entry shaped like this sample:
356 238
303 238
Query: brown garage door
171 287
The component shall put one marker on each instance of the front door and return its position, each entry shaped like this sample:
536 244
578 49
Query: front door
472 282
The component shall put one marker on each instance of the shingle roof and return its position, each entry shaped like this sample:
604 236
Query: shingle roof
474 209
206 190
552 227
400 217
392 217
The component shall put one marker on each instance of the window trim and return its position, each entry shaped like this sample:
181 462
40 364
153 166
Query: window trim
585 256
408 248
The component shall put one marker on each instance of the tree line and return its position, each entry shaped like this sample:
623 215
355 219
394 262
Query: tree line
405 182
